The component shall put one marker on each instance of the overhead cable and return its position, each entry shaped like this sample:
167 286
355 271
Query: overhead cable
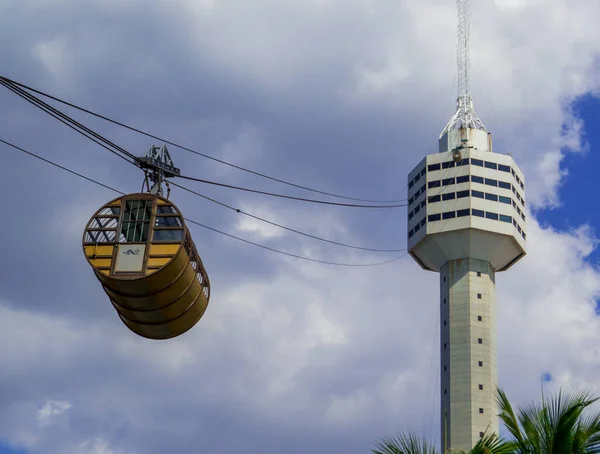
147 134
238 210
71 123
87 132
284 196
325 262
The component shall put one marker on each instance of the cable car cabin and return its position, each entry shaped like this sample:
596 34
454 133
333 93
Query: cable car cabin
144 257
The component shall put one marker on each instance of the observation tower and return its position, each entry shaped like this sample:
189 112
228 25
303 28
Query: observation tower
466 221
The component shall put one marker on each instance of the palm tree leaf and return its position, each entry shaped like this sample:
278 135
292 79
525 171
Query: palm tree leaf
404 444
554 426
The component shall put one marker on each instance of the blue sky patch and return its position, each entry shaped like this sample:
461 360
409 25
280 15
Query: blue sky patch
579 195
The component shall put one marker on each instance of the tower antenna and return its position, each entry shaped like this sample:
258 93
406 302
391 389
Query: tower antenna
465 116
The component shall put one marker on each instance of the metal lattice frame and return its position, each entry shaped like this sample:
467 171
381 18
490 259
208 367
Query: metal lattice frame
465 116
158 166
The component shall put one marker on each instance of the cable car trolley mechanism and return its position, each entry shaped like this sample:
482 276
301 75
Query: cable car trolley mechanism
143 255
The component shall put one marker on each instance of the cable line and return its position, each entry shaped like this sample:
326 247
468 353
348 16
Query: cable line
147 134
238 210
87 132
325 262
60 167
284 196
67 120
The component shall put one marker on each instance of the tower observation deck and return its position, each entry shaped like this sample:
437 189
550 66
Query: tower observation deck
466 221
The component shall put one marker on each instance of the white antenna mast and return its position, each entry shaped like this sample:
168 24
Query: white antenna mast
465 116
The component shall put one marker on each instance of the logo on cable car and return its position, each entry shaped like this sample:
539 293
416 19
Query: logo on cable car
132 251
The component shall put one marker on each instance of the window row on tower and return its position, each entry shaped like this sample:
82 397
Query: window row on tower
463 213
472 161
463 194
476 179
466 179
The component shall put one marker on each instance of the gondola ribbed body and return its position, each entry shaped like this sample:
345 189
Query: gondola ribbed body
143 255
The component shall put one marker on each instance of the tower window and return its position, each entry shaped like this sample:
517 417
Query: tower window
444 278
480 363
444 345
479 296
449 215
444 322
445 390
480 341
444 299
481 410
481 387
444 368
480 434
478 273
479 318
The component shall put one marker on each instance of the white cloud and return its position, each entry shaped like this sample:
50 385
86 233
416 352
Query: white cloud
95 446
247 224
51 409
55 55
516 4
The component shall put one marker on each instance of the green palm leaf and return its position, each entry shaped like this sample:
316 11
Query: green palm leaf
404 444
554 426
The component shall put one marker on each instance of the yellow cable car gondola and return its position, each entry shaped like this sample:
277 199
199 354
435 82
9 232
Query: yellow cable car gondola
143 255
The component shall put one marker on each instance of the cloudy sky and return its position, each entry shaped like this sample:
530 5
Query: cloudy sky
345 96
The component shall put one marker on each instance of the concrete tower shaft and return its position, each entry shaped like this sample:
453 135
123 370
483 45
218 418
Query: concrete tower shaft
468 352
466 220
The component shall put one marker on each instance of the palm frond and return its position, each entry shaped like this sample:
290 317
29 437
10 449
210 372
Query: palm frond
490 443
507 414
404 444
554 426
